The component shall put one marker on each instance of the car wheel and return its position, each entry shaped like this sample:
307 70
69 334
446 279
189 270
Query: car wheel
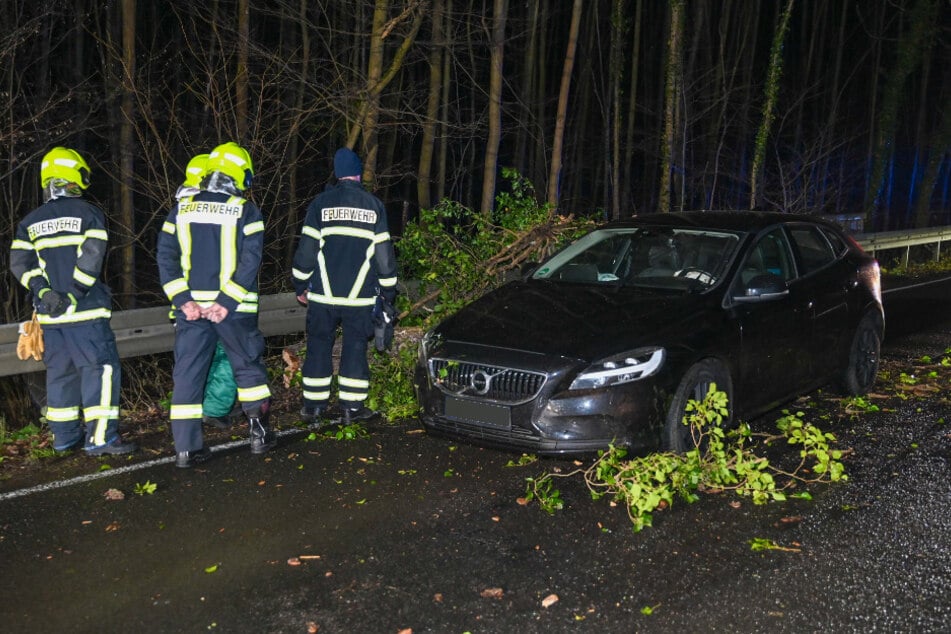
694 386
862 369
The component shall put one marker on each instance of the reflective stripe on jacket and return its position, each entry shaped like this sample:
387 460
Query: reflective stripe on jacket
61 245
345 253
210 250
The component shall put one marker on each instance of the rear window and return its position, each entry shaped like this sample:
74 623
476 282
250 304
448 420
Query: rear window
813 247
839 247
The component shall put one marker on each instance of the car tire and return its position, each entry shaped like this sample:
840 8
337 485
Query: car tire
864 355
694 386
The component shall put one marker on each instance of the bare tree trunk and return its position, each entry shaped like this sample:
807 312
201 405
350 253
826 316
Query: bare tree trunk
79 56
554 175
499 10
294 142
809 42
444 116
671 96
424 178
769 105
873 112
938 152
241 74
632 109
572 184
922 145
523 140
726 82
372 97
126 153
835 91
910 47
365 122
618 31
539 160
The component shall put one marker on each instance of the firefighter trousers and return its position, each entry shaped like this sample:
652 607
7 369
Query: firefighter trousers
83 376
195 343
353 380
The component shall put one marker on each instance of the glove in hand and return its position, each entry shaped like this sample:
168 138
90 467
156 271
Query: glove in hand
54 303
30 343
384 321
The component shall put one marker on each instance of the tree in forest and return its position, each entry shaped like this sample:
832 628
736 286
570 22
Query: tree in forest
672 73
298 27
627 202
939 153
436 81
769 104
241 70
127 151
911 44
618 31
499 12
554 175
368 112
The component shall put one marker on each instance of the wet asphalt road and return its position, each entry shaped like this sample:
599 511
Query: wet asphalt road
403 530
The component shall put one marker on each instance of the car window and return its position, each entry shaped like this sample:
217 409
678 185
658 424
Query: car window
839 246
770 255
663 257
813 247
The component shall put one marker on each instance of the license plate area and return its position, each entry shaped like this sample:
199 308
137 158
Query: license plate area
479 413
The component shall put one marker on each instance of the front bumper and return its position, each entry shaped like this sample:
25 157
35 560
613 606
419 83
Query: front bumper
555 421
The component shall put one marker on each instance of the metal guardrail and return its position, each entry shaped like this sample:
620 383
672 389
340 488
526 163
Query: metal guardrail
876 242
149 331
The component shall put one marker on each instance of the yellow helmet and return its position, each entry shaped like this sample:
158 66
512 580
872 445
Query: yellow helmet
196 170
64 163
233 160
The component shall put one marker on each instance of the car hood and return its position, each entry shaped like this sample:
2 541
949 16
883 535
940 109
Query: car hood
582 321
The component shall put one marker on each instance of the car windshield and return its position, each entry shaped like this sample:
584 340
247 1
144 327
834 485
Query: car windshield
690 259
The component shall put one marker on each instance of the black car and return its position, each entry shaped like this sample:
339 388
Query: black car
606 341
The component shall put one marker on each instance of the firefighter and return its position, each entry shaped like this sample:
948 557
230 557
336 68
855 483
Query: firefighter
209 255
58 254
220 402
344 259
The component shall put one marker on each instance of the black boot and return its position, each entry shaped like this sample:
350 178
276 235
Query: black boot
187 459
262 438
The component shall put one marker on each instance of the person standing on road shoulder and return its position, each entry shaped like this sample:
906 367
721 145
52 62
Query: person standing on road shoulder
221 392
209 255
57 254
344 259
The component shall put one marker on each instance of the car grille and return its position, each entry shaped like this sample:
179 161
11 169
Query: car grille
474 380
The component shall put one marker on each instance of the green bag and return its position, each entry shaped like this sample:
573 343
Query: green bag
220 388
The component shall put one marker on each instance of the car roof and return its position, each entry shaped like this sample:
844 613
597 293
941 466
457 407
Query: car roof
724 220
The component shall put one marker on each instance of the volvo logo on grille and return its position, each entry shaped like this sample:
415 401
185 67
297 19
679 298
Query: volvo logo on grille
480 382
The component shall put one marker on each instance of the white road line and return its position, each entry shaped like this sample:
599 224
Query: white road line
49 486
910 286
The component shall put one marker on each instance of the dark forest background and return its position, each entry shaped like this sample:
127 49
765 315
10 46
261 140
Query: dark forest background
609 107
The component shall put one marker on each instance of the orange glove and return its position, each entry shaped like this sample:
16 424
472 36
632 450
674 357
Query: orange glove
30 343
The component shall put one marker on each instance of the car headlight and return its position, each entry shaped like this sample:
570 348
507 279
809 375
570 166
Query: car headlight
620 368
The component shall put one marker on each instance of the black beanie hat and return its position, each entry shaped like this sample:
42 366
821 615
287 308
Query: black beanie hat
347 163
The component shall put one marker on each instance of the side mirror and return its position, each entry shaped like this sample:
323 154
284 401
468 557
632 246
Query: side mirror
762 288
